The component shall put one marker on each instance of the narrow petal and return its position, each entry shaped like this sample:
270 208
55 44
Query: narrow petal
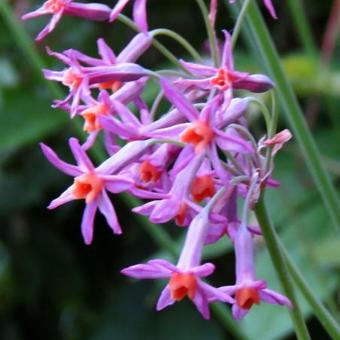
227 55
199 69
50 26
203 270
52 157
139 15
87 223
239 313
177 99
65 197
272 297
270 7
254 83
106 208
201 302
118 9
165 299
38 12
92 11
106 52
136 47
117 183
79 154
146 271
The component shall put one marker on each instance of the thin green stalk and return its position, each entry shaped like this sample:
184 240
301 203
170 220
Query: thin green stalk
238 25
160 47
302 27
323 315
295 116
175 36
210 32
278 261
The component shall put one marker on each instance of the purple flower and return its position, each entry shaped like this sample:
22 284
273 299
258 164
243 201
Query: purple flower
80 78
225 78
57 8
185 277
247 290
90 184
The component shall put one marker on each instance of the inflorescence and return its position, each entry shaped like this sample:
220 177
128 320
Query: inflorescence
195 161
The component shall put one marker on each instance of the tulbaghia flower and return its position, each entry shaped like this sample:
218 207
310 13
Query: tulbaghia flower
248 290
79 78
57 8
185 278
225 78
90 184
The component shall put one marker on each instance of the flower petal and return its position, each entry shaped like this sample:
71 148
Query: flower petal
165 299
88 221
106 208
52 157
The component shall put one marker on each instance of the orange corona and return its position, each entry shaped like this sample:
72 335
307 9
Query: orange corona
202 187
182 285
91 117
246 297
87 186
199 134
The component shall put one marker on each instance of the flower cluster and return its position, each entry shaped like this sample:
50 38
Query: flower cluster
194 162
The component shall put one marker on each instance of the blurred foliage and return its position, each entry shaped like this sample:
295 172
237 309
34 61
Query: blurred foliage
54 287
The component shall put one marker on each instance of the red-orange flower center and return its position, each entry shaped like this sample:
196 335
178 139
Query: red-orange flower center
149 173
199 134
87 186
182 285
112 85
54 6
181 214
246 297
91 115
222 80
71 79
202 187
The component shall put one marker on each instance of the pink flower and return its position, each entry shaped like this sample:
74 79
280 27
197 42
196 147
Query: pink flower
90 184
57 8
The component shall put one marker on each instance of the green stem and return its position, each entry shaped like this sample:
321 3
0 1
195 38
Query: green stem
302 27
323 315
175 36
239 22
295 116
160 47
210 32
277 258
